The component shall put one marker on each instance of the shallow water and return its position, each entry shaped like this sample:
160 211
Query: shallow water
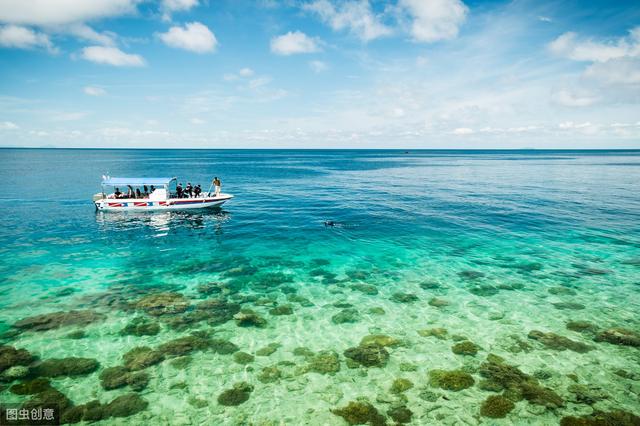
513 241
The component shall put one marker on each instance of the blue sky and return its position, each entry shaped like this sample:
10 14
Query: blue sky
320 74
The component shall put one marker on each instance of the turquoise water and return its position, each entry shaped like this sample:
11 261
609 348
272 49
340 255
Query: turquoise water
429 248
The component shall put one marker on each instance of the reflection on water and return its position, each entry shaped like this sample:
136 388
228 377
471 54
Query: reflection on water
163 222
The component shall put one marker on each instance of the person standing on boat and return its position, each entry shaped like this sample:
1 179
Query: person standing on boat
197 190
179 190
130 193
189 189
218 185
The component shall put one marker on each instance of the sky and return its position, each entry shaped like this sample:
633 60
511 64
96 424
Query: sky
320 74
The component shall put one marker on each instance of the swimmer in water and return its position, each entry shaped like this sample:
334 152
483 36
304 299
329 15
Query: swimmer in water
329 223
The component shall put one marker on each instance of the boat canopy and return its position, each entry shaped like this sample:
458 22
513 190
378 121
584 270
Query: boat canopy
137 181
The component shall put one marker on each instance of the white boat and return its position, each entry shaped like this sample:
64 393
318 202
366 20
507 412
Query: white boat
160 194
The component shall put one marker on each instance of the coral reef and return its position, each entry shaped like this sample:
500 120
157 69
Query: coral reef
359 413
369 355
557 342
348 315
619 336
163 304
55 320
496 407
239 393
453 380
465 347
71 366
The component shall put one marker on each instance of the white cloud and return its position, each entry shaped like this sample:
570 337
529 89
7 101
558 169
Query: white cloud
568 98
318 66
544 19
197 121
622 71
463 131
294 42
571 46
435 20
194 36
176 5
85 32
246 72
112 56
57 12
19 37
354 15
259 82
8 125
94 91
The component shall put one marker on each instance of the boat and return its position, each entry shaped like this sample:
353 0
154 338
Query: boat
160 194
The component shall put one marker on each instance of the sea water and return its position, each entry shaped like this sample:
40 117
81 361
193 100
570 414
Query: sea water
323 248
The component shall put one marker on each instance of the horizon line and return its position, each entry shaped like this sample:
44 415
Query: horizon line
317 149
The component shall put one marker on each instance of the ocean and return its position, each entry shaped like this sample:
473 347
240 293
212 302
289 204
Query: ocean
348 286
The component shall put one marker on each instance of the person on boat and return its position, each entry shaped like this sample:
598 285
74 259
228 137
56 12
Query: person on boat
189 190
146 192
153 188
218 185
179 190
138 193
197 190
130 193
117 193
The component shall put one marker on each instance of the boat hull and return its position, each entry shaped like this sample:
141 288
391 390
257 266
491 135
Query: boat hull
109 204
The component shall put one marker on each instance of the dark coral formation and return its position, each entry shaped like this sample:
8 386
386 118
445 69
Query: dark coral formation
269 374
348 315
516 384
381 339
400 415
142 357
183 346
324 362
55 320
31 387
218 311
400 385
438 303
471 274
404 297
600 418
453 380
239 393
582 326
269 349
243 358
367 289
163 304
619 336
249 318
281 310
117 377
141 327
368 355
496 407
437 332
587 394
359 413
557 342
71 366
11 357
465 347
